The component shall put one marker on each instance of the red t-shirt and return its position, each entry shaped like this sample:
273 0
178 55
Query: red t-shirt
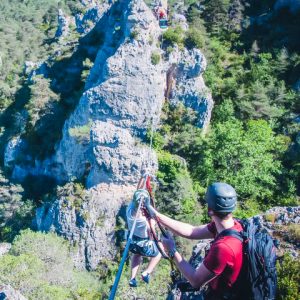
224 259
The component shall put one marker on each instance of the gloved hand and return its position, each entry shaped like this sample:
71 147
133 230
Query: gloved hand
169 243
151 210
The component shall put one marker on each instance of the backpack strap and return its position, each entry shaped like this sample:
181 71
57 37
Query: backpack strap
230 232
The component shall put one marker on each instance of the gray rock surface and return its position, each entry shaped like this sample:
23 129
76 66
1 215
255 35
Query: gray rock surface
9 293
102 141
188 84
64 22
123 94
4 248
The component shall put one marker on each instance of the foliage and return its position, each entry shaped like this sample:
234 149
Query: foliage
24 26
174 36
157 289
15 212
176 194
134 34
246 156
288 278
41 101
294 232
40 267
194 39
81 133
155 58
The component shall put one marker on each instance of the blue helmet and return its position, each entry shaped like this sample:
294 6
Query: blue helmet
221 197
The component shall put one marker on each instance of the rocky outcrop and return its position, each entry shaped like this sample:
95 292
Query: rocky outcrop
189 88
64 22
103 139
4 248
124 93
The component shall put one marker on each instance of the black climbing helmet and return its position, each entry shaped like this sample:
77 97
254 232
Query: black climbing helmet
221 197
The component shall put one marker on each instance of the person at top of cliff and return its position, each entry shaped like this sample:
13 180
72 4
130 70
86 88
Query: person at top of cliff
222 265
141 244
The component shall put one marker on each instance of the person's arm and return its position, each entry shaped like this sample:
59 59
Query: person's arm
183 229
196 277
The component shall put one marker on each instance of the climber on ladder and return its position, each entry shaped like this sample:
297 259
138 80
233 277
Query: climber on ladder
161 15
142 240
142 244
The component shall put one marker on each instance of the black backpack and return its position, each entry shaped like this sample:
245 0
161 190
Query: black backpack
258 278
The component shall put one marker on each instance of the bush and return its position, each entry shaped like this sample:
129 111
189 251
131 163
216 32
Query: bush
174 36
81 133
294 231
248 157
155 58
194 39
134 34
288 278
40 267
15 212
176 194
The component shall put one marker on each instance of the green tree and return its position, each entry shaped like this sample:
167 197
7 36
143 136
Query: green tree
246 156
176 194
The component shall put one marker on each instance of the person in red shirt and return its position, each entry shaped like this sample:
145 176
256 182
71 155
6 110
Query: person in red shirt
222 265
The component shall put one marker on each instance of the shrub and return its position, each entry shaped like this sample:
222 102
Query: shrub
294 231
173 36
176 194
40 267
134 34
194 39
15 213
81 133
288 278
248 157
155 58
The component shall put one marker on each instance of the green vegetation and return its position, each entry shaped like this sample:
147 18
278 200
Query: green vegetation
40 267
288 278
174 36
294 232
252 142
252 133
155 58
81 133
194 39
157 289
16 213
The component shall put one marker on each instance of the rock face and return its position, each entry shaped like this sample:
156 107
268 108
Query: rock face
4 248
8 293
189 88
102 142
63 24
124 93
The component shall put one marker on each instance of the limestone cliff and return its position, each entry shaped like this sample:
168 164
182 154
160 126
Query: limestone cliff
102 141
